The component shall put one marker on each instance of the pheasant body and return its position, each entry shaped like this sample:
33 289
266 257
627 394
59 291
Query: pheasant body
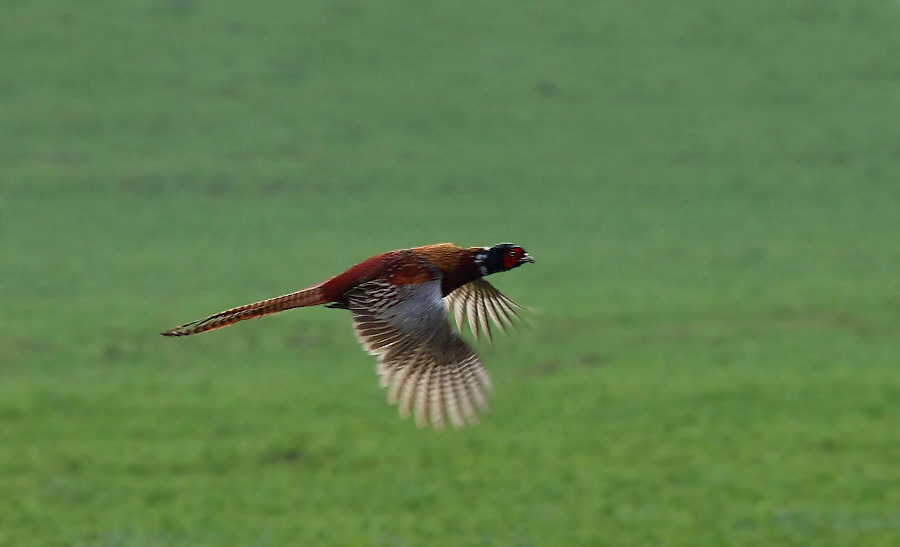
399 302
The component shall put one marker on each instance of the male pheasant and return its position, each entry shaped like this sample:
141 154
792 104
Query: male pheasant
399 302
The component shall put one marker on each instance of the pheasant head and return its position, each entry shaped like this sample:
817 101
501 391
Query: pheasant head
501 258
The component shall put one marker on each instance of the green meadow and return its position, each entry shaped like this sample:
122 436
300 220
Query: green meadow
711 191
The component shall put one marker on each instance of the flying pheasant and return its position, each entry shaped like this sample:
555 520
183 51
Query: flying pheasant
399 302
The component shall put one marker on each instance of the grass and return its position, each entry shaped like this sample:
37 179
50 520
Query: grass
710 192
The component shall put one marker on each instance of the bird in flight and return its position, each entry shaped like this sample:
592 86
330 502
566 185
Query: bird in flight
399 302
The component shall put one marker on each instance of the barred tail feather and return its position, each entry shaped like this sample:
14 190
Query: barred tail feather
307 297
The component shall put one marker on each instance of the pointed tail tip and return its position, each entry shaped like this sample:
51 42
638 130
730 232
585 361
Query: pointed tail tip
178 331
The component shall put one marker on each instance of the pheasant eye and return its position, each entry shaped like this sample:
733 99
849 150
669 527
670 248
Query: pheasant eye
510 259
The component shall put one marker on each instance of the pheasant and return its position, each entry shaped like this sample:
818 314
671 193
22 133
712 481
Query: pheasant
399 303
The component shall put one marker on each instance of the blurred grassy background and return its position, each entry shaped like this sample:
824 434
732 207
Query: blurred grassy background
710 190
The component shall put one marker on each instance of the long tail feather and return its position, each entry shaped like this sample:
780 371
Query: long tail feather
307 297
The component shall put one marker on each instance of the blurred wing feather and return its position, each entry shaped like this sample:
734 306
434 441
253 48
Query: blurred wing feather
479 300
426 367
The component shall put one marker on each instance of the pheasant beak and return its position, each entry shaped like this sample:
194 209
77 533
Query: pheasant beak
527 258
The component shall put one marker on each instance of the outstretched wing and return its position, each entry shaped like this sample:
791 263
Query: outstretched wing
426 366
478 300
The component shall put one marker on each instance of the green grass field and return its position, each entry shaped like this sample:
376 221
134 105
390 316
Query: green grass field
711 191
